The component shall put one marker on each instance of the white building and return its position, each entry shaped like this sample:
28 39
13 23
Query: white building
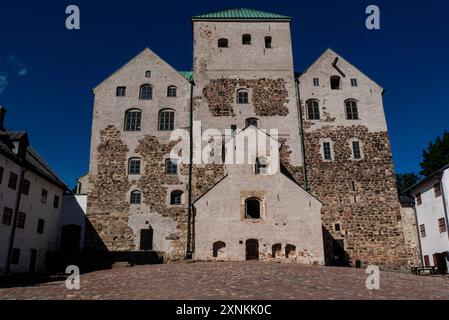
30 204
431 198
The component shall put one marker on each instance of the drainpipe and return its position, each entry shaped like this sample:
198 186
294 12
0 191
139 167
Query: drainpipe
301 130
443 196
14 219
189 218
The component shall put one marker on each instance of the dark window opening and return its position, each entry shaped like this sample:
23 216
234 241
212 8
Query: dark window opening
252 249
422 231
276 249
442 225
171 166
120 92
134 166
313 110
289 250
12 183
351 110
251 122
426 261
418 199
21 220
146 92
223 43
148 74
358 264
327 151
40 226
166 120
7 216
437 190
44 196
356 150
176 197
132 120
15 256
146 239
136 197
354 82
242 96
2 170
246 39
217 246
252 208
335 83
56 202
337 227
171 91
268 42
26 187
316 82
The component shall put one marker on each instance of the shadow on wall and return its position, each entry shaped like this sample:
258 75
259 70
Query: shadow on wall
334 251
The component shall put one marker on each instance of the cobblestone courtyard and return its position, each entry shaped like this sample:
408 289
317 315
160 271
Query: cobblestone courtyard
242 280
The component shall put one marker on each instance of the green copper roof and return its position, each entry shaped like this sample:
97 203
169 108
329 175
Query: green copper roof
187 74
240 13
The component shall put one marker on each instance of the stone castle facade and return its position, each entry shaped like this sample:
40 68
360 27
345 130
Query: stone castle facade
334 199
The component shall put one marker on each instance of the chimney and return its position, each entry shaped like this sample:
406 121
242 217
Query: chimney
2 118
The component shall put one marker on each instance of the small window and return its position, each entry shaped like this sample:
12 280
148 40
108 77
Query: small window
56 202
337 227
437 190
166 120
7 216
12 183
246 39
121 92
327 151
252 208
26 187
426 261
40 226
356 152
216 247
135 197
316 82
354 82
358 264
223 43
252 122
313 110
171 166
176 197
21 220
262 165
268 42
351 110
15 256
132 120
442 225
233 128
146 92
418 199
171 91
2 170
148 74
44 196
335 83
242 96
134 166
422 231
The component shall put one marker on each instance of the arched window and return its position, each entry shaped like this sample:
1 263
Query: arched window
252 122
262 165
218 247
171 91
132 120
268 41
252 208
246 39
166 120
242 96
352 112
134 166
335 83
176 197
276 249
135 197
289 250
148 74
146 92
313 110
222 43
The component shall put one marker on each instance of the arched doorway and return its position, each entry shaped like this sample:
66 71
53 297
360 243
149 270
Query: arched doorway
70 238
252 249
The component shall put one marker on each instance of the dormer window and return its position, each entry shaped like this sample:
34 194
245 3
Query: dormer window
222 43
335 83
246 39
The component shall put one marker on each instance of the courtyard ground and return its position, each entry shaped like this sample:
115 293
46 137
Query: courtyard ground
237 280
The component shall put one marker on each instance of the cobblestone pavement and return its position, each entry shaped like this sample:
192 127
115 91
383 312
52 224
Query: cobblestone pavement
238 280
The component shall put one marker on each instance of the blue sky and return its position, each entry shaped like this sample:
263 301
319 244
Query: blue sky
47 72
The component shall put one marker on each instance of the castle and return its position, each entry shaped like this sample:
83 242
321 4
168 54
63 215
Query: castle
333 200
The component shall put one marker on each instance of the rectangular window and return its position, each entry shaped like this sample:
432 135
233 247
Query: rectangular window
166 121
327 151
121 92
2 170
437 190
354 82
422 231
15 256
12 183
56 202
21 220
242 97
426 261
44 196
316 82
26 187
134 166
442 225
418 199
356 150
7 216
132 120
40 226
171 166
